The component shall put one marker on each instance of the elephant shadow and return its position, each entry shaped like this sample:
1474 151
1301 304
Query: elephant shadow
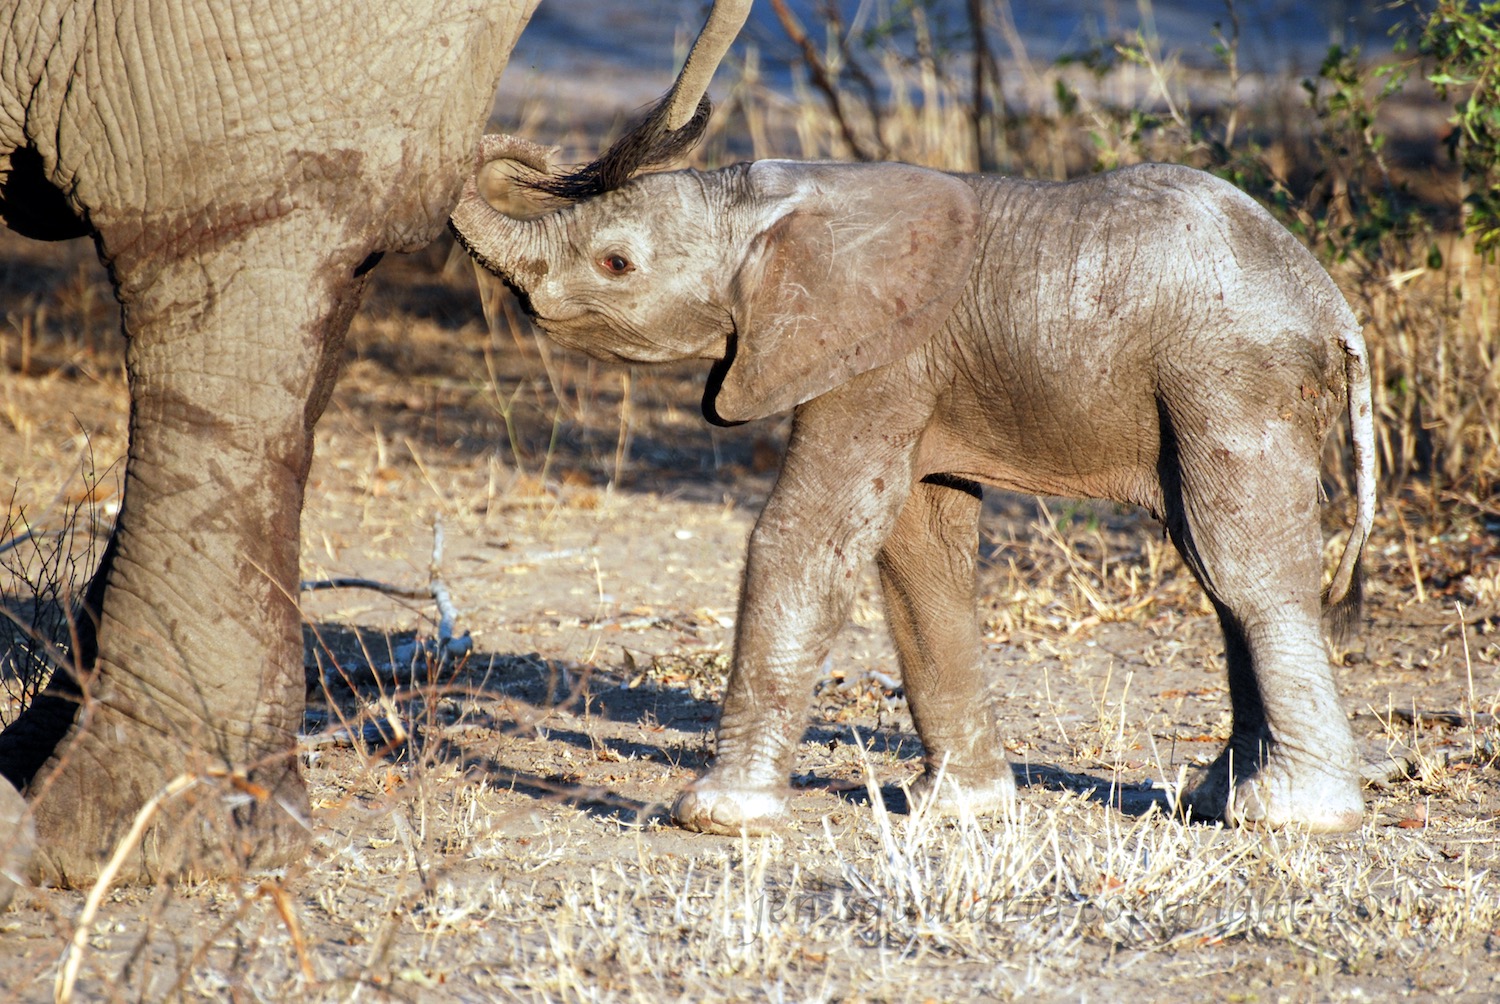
391 698
455 713
1134 799
1130 798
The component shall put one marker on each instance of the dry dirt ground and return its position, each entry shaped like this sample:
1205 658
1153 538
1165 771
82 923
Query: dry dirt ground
491 824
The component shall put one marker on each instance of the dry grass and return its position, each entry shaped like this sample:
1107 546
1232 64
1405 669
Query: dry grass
492 827
426 883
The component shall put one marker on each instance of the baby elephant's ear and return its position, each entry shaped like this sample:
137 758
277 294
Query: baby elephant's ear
861 265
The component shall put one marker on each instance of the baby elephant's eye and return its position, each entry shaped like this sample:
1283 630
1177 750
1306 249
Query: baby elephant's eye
616 264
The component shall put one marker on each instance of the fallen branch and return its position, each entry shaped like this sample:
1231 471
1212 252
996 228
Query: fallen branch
1416 717
381 733
1395 765
445 644
447 612
22 538
315 585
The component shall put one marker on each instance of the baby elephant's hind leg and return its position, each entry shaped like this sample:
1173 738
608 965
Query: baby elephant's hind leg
927 574
1247 523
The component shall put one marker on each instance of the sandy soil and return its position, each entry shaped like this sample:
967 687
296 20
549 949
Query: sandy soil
493 826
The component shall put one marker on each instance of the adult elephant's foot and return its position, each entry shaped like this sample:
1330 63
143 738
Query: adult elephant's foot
194 817
946 795
17 841
710 806
1320 797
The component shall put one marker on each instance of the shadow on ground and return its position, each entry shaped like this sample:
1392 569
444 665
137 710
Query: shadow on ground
379 693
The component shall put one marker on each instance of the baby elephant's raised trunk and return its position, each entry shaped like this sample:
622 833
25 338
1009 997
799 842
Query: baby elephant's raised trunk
515 250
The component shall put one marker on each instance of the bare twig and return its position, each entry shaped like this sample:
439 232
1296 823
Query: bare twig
821 79
437 591
861 77
405 592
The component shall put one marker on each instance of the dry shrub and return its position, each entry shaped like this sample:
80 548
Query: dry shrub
45 562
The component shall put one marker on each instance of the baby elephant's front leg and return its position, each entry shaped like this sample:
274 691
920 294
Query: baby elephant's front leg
822 523
927 574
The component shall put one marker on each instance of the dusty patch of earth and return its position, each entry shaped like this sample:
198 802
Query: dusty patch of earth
492 825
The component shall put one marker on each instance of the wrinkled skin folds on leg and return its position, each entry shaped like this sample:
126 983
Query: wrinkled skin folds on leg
247 410
927 573
794 600
1262 581
19 844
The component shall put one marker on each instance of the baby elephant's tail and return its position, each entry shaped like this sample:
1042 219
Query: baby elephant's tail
1344 598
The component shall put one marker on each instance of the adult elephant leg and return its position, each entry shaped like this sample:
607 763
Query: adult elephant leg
927 570
199 665
1246 522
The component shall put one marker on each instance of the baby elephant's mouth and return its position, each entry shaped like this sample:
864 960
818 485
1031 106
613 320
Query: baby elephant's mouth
607 346
583 333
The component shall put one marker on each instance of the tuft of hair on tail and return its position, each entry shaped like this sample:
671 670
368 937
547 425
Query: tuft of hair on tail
1343 601
1344 615
647 144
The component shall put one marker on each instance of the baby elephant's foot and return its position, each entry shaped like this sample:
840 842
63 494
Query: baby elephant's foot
732 811
946 795
1321 799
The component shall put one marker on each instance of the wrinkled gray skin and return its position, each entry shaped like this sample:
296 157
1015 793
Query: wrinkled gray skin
241 166
1148 336
18 833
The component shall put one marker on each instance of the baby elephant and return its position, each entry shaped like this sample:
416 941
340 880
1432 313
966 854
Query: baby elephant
1148 336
